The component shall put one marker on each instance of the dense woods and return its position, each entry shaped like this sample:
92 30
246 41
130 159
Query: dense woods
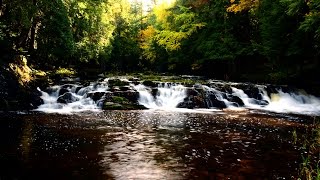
270 42
263 40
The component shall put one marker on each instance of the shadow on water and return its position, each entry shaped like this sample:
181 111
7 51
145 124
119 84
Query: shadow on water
148 145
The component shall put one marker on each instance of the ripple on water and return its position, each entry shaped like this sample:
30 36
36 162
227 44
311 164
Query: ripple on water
159 145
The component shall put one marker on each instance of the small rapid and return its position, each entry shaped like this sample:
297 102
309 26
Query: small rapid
165 96
70 98
215 95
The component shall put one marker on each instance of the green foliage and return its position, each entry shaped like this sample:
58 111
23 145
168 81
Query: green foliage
118 99
65 72
54 41
310 166
223 38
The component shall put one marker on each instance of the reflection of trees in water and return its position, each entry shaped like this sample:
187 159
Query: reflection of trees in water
151 145
174 145
138 150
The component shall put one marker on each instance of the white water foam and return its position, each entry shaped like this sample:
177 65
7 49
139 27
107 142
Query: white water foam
167 97
81 102
281 102
294 103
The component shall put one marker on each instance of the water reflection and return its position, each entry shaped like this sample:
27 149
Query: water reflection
148 145
174 145
137 151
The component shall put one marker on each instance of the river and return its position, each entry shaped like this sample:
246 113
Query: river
157 143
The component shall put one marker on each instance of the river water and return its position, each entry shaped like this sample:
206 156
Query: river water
77 140
149 144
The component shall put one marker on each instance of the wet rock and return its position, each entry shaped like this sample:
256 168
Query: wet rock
199 102
131 95
63 91
134 79
236 99
78 88
149 83
251 90
115 88
214 102
84 90
187 103
67 86
259 102
121 103
67 98
192 92
99 95
125 88
117 82
154 92
112 106
192 102
35 99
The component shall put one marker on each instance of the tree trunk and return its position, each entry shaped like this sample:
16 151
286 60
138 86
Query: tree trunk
1 3
32 35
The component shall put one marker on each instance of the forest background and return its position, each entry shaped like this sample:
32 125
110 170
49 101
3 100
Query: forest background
276 41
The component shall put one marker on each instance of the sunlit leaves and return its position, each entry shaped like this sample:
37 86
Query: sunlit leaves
312 19
242 5
181 24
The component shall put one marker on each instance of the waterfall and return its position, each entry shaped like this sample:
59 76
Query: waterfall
213 95
290 102
74 95
294 102
166 96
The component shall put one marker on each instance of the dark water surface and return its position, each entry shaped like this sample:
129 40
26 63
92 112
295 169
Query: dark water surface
149 145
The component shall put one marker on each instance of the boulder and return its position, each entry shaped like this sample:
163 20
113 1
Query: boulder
131 95
154 92
259 102
115 88
187 103
67 86
149 83
236 99
117 82
214 102
191 102
67 98
118 106
125 88
192 92
99 95
35 99
63 91
78 88
112 106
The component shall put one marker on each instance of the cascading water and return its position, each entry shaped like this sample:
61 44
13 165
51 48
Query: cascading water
295 102
215 95
166 96
70 98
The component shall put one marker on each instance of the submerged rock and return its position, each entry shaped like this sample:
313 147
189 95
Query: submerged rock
120 103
